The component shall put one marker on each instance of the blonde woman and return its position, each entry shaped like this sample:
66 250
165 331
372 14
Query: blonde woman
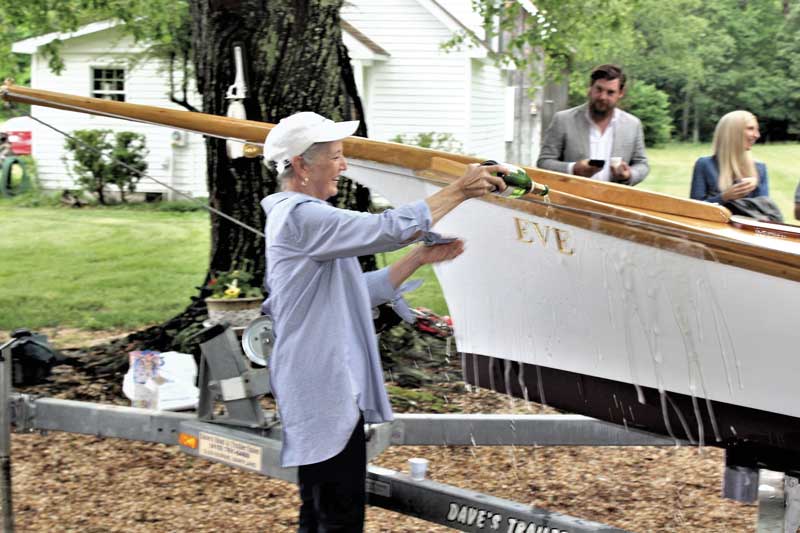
731 173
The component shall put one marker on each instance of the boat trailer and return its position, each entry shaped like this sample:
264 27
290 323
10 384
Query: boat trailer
230 427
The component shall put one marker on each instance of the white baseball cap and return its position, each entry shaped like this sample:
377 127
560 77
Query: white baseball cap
296 133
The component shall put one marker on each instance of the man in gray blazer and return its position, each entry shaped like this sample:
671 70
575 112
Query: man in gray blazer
596 139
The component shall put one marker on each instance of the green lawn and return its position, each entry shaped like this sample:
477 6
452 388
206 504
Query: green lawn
429 295
126 268
98 268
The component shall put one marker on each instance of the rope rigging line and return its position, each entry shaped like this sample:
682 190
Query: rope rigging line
147 176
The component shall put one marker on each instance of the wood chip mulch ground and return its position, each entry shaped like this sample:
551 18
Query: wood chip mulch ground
74 483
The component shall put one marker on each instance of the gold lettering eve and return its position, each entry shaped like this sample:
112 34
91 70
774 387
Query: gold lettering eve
522 233
530 232
542 238
561 238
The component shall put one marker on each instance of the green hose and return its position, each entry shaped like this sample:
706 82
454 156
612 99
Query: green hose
11 184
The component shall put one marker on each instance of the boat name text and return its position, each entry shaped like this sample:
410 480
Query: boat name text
530 232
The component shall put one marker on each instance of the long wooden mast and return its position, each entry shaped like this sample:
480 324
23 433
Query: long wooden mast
417 159
223 127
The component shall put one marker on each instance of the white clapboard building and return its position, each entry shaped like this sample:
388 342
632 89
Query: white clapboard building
408 85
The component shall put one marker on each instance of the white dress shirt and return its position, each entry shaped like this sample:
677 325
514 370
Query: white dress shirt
600 145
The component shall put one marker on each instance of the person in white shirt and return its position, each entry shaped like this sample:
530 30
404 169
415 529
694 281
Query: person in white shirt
597 139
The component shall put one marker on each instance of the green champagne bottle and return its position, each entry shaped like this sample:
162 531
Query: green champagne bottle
518 183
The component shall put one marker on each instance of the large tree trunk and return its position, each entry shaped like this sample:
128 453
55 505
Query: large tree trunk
295 61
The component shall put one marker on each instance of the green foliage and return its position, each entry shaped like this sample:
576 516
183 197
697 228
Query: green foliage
651 106
129 153
164 25
714 57
552 32
709 57
445 142
743 67
234 283
102 157
90 166
406 399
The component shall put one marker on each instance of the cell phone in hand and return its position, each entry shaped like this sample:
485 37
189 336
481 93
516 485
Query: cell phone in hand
599 163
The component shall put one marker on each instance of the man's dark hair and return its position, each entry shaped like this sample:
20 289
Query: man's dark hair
608 72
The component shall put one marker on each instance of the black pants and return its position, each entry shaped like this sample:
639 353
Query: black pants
333 492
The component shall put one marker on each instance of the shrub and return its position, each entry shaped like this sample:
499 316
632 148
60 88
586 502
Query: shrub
95 156
129 148
234 283
445 142
650 105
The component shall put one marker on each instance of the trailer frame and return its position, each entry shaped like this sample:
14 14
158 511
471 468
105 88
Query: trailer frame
248 438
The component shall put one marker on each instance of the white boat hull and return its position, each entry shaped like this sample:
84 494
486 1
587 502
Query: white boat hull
615 302
545 293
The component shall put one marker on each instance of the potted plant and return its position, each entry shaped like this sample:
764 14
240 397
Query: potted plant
234 299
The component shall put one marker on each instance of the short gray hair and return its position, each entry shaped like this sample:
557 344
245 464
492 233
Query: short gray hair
309 156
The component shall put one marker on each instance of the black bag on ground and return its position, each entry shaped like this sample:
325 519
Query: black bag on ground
761 208
33 358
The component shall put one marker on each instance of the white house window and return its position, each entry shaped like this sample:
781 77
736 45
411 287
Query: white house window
108 83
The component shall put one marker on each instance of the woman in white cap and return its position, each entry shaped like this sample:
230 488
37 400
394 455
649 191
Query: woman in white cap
325 368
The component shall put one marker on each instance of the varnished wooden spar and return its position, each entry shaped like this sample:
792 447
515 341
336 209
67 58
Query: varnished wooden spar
410 157
713 241
614 193
223 127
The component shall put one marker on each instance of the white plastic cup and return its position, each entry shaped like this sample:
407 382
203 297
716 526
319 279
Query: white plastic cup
615 162
418 468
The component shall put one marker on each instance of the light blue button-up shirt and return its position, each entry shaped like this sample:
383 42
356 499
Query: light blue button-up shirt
325 367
